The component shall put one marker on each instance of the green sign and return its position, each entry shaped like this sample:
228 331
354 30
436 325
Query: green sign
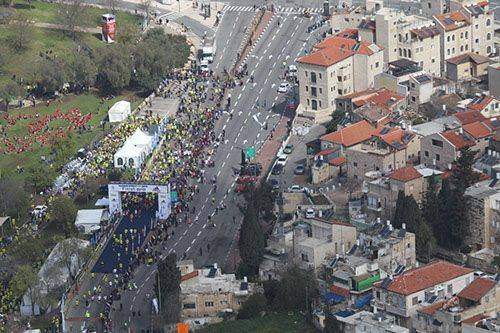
250 152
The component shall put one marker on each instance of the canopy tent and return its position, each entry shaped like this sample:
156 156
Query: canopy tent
119 111
103 202
134 151
89 220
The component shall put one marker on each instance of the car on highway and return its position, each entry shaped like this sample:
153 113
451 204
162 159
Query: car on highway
310 214
288 149
275 184
277 169
283 88
299 169
282 160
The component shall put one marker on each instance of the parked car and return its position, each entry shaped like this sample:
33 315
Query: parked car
282 160
296 188
275 184
299 169
283 88
277 169
310 214
288 149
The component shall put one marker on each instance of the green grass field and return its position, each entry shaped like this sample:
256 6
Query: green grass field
86 103
272 323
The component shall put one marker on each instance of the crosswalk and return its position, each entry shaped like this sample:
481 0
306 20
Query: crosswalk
280 9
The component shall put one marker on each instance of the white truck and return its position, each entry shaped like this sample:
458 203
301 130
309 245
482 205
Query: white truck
208 50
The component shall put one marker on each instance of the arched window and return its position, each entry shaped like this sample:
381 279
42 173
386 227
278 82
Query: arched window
409 53
400 52
488 49
488 22
488 36
119 160
405 53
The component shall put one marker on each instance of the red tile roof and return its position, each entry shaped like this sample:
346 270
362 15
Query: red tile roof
478 130
477 289
395 137
351 134
189 276
338 161
431 309
468 117
475 319
457 140
480 103
335 49
326 152
424 277
383 97
454 20
339 291
405 174
348 33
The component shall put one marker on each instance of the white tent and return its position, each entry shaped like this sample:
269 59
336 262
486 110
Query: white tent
88 220
134 151
119 112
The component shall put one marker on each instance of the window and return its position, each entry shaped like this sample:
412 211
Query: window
320 104
488 36
488 22
466 47
414 300
433 60
209 303
314 92
438 157
304 257
378 294
477 40
466 34
437 143
320 90
426 153
314 104
488 49
461 35
448 38
355 164
189 306
376 64
119 161
450 289
131 162
305 72
320 76
461 48
339 91
308 102
448 51
307 88
339 78
313 77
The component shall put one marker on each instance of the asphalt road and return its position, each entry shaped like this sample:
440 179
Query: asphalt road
278 44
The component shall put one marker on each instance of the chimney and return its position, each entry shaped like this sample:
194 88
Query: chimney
245 279
403 226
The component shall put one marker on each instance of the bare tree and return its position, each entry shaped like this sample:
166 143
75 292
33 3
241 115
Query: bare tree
73 255
22 33
73 14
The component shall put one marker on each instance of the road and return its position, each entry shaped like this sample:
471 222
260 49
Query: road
278 44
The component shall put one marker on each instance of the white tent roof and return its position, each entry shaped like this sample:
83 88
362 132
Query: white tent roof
89 216
120 107
102 202
139 138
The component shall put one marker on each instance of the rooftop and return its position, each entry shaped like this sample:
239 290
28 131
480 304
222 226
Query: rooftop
405 174
424 277
458 140
477 289
479 103
452 21
425 32
477 130
468 57
467 117
351 134
402 67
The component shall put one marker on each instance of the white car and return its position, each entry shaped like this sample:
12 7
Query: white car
283 88
296 188
310 214
39 210
282 160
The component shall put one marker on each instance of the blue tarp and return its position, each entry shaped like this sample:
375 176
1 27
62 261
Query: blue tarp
332 298
363 300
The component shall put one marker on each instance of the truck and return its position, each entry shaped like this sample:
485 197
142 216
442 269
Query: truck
208 49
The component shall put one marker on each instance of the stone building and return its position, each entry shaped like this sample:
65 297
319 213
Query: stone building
440 150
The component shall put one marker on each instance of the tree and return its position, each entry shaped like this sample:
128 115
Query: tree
400 211
337 117
51 75
253 307
115 68
14 200
251 242
21 33
463 175
27 249
84 72
441 229
168 288
38 178
10 91
297 289
430 206
26 281
128 35
62 213
72 14
73 254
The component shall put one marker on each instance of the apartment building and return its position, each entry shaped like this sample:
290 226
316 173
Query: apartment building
440 150
456 36
337 66
207 292
467 66
482 27
388 149
397 76
409 36
480 299
402 295
489 106
386 99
